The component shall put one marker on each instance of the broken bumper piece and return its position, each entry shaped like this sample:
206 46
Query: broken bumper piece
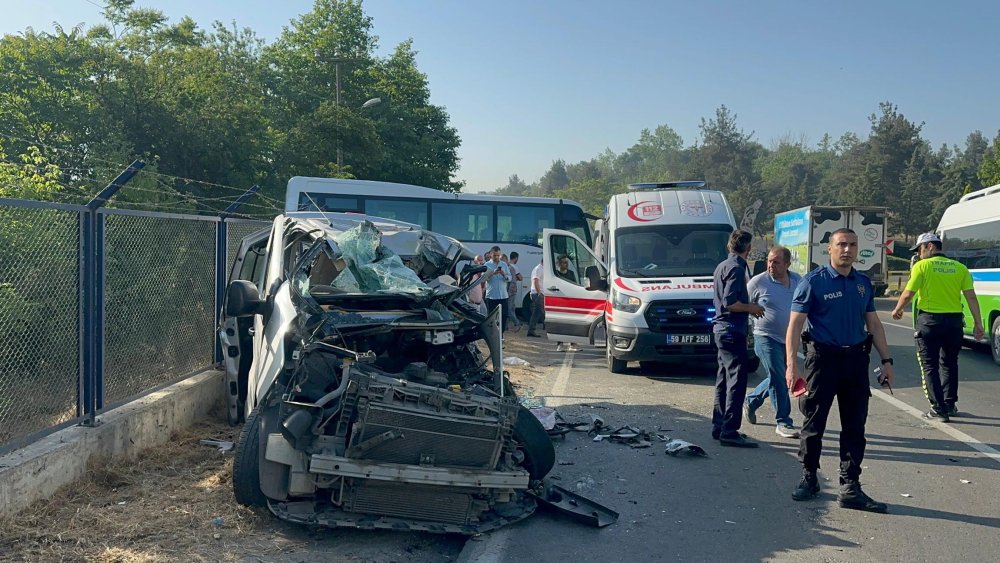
574 506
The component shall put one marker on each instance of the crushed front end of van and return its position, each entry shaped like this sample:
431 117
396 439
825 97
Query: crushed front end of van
370 403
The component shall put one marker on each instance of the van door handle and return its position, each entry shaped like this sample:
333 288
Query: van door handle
553 288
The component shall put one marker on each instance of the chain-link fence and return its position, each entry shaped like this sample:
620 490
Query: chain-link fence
159 300
39 317
70 348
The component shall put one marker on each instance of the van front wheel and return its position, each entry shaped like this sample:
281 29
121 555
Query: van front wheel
614 364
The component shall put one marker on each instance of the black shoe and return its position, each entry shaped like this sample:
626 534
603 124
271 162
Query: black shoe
851 496
716 434
737 441
935 415
808 486
953 410
532 334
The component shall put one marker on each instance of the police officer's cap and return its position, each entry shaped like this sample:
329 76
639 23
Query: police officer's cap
924 238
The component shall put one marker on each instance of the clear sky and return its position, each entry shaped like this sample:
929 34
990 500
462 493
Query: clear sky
530 81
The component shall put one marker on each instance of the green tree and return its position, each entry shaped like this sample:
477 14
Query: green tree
989 170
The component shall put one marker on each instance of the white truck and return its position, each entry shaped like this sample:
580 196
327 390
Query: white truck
648 279
806 233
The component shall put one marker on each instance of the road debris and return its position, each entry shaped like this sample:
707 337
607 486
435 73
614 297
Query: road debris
515 361
630 435
679 448
906 495
223 445
964 481
545 415
574 506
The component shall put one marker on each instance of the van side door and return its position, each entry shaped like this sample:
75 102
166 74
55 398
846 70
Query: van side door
236 333
572 310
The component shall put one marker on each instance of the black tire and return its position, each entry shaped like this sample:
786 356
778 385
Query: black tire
246 464
615 365
539 453
995 340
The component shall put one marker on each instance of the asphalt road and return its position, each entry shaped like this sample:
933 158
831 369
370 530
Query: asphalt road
940 480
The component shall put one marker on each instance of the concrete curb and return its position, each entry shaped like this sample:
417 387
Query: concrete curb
38 470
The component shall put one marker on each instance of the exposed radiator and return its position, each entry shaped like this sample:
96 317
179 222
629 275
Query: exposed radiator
402 500
429 426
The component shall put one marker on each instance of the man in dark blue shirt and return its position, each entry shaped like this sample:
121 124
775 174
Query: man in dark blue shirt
838 304
732 315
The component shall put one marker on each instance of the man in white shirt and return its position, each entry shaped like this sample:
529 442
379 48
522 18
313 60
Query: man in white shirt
537 299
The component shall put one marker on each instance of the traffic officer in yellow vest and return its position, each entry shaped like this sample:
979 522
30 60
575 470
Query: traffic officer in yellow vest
939 283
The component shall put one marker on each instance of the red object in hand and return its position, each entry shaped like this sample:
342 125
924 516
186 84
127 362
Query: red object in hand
799 387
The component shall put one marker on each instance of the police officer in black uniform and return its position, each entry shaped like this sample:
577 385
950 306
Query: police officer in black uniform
729 327
838 304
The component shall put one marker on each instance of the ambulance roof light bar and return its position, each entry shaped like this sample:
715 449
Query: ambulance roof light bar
683 185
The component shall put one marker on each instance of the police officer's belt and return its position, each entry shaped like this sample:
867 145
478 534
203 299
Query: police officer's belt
810 345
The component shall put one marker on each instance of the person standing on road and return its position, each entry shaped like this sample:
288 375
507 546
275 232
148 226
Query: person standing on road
939 283
773 290
537 298
497 275
515 280
729 326
838 303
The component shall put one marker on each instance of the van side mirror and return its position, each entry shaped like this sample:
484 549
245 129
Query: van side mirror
596 282
243 300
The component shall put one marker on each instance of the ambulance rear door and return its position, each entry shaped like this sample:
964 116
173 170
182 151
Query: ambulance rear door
575 296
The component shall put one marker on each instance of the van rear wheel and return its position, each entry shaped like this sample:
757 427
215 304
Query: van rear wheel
614 364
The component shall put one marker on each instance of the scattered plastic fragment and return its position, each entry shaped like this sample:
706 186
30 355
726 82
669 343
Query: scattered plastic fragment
906 495
217 521
223 445
964 481
678 448
545 415
515 361
730 522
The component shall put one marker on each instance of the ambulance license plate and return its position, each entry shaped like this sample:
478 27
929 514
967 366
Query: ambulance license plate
689 339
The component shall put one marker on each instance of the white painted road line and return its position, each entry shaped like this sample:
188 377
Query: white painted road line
942 426
562 380
907 327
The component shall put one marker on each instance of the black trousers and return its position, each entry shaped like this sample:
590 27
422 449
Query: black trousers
730 384
502 303
833 372
537 310
939 340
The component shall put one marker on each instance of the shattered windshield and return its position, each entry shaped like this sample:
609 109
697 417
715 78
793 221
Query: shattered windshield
362 261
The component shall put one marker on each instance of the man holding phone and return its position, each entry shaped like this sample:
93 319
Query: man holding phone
497 275
838 304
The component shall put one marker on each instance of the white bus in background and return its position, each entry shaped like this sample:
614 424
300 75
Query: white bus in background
970 233
479 221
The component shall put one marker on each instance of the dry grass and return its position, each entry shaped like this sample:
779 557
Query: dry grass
157 507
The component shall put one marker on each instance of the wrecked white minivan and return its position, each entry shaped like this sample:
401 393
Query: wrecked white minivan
368 403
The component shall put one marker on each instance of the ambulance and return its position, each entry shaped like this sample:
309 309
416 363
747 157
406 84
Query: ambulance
648 278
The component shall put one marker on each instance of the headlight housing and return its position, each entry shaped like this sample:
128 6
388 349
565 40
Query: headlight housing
625 303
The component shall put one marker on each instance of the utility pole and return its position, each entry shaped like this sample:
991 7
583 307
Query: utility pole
339 156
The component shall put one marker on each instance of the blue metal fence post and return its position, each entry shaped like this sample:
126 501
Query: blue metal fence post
221 258
92 299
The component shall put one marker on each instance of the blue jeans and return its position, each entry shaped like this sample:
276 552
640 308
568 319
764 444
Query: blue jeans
772 358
